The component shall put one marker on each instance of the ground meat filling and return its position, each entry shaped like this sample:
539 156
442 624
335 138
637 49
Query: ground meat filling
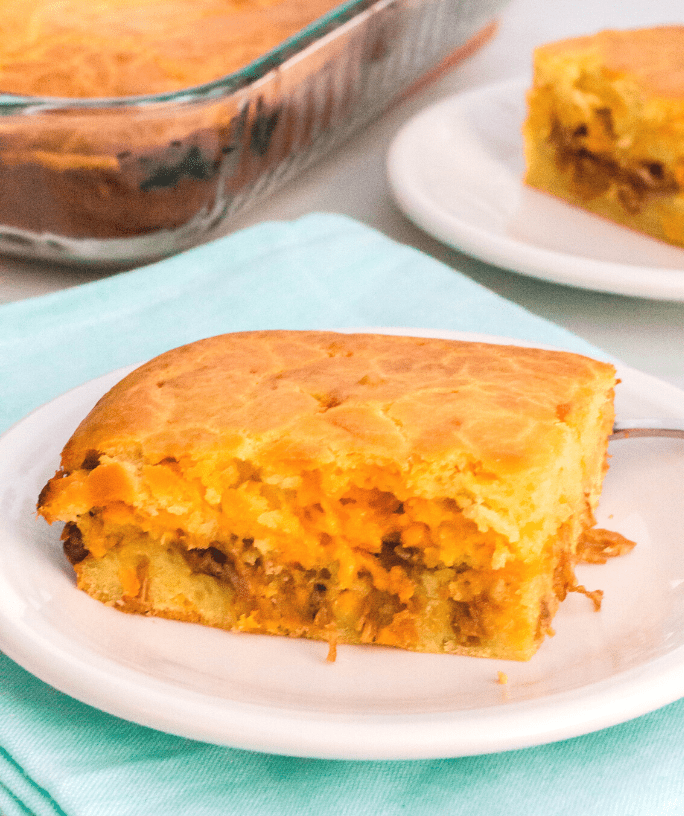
593 173
72 544
466 620
213 561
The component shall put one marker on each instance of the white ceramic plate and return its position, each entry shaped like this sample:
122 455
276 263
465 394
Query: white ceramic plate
281 696
456 168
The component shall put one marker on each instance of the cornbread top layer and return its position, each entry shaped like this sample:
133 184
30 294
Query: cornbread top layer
653 58
115 48
306 399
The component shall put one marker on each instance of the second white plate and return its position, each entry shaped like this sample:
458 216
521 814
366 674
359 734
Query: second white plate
456 170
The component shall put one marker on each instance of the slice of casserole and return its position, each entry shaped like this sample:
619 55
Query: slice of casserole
605 127
426 494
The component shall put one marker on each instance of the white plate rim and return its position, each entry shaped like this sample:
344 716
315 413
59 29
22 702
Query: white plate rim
404 157
99 682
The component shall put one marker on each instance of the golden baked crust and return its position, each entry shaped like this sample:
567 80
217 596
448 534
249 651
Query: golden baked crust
420 493
115 48
605 127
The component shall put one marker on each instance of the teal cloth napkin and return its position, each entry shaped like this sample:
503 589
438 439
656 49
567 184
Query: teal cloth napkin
59 757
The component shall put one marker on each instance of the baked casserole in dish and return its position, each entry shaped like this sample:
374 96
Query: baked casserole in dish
133 130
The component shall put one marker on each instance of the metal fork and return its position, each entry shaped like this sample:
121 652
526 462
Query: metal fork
630 428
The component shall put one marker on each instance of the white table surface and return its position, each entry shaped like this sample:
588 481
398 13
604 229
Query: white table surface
646 334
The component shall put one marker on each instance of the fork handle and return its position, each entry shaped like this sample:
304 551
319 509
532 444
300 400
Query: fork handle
674 429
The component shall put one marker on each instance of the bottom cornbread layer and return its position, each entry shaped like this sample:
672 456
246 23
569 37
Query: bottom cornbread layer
447 588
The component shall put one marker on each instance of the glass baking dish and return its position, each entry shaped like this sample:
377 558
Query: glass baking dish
126 180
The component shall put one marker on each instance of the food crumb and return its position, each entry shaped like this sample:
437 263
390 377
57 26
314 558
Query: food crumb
594 595
502 678
598 545
332 650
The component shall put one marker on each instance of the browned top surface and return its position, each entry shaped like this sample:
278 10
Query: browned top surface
99 48
654 57
309 396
